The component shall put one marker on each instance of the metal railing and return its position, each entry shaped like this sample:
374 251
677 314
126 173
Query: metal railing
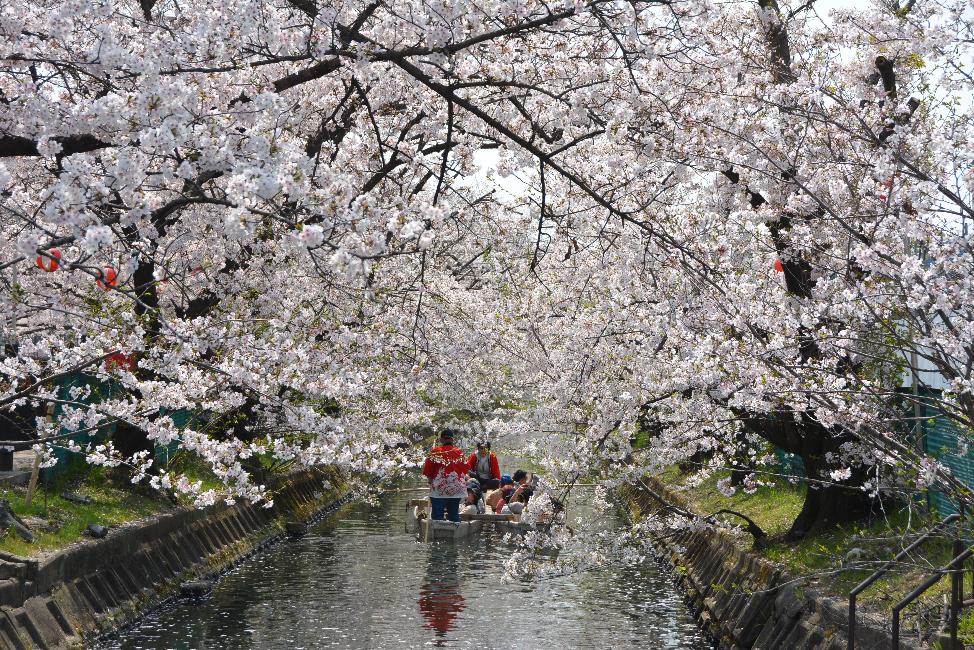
865 584
954 568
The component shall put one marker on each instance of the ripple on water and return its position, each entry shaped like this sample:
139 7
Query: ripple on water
364 583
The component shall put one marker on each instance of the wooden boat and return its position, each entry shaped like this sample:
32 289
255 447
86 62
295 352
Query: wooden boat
431 529
418 521
416 511
512 525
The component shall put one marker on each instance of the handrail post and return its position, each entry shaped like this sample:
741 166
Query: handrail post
896 629
955 591
958 549
926 584
952 627
862 586
954 614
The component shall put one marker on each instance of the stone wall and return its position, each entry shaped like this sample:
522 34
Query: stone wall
744 600
98 586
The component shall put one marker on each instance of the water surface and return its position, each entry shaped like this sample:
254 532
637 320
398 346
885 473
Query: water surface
361 581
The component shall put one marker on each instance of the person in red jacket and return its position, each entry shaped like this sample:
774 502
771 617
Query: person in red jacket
484 467
446 469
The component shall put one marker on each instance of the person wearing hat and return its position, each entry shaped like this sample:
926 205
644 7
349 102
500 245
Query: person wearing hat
474 503
446 470
484 466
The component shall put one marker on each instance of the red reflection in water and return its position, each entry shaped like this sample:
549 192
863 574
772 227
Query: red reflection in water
440 602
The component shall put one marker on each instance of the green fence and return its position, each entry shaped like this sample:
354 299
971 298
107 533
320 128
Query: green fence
789 464
181 418
941 437
98 391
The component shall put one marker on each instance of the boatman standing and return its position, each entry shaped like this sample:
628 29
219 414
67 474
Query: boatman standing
446 469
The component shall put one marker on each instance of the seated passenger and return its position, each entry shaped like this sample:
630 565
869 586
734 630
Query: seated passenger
483 466
473 502
475 497
505 496
496 495
519 499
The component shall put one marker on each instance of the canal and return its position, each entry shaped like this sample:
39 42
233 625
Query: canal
360 581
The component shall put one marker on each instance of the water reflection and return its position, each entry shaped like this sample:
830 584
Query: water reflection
440 600
363 582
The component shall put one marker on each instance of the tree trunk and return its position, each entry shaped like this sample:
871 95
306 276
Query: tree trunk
130 440
826 504
8 519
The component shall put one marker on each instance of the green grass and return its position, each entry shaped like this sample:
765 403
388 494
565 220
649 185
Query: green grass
515 462
57 522
819 558
194 469
642 439
65 521
965 628
771 508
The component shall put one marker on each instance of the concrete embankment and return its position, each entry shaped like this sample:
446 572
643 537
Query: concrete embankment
742 599
95 587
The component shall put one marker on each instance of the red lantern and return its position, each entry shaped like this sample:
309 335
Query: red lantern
49 263
888 184
778 266
107 279
121 360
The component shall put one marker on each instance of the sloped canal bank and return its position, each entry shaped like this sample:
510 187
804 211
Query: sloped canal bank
361 581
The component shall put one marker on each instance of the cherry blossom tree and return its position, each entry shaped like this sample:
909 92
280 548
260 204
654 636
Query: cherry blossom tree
813 178
295 220
252 212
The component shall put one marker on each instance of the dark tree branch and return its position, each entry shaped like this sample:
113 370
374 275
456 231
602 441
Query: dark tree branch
147 6
14 145
887 75
760 537
778 45
310 73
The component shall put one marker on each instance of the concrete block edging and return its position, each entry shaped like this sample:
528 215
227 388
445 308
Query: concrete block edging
741 599
98 587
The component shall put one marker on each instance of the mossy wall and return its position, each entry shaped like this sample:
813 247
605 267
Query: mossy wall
90 589
743 600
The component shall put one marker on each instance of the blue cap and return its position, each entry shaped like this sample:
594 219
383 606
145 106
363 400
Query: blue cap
506 479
